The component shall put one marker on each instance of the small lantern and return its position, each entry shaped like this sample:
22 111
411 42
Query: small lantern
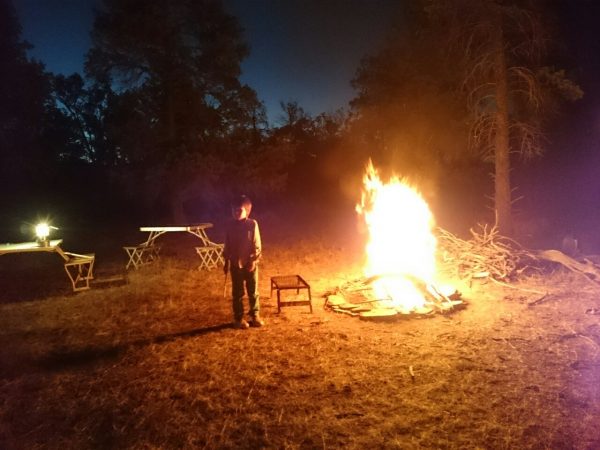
42 231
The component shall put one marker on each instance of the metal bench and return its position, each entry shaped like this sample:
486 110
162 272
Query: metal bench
290 282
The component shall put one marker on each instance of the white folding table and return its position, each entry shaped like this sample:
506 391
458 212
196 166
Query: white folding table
79 268
211 253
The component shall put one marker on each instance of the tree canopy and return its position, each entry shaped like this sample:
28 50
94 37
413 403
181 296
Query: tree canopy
180 112
181 61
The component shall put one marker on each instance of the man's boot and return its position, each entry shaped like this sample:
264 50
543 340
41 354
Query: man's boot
240 324
256 321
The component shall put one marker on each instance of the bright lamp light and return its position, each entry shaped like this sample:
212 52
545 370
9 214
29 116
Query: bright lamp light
42 230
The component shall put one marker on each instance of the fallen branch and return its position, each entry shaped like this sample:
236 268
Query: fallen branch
543 298
588 269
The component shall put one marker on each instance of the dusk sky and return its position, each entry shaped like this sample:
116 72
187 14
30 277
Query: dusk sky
301 50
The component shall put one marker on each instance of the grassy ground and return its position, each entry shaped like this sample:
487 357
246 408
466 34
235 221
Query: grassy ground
155 364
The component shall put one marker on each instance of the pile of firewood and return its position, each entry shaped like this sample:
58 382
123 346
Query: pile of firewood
490 255
486 254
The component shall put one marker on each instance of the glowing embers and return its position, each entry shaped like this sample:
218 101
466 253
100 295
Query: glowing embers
400 252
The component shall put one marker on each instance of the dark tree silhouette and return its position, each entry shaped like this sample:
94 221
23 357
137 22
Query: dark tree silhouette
182 118
86 111
463 74
501 51
407 113
24 102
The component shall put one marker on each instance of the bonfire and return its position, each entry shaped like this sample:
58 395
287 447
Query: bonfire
404 260
400 255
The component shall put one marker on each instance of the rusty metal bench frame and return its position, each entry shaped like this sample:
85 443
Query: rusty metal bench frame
290 282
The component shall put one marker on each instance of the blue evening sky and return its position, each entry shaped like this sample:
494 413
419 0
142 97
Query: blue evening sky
301 50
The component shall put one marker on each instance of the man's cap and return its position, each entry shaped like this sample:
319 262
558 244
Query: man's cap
241 200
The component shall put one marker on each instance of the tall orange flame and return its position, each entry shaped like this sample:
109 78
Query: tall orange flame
401 248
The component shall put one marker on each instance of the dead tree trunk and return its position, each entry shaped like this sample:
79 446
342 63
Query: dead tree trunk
502 193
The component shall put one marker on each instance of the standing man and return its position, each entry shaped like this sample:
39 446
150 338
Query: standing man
242 252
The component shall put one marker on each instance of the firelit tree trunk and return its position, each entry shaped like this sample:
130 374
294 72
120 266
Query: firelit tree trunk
502 189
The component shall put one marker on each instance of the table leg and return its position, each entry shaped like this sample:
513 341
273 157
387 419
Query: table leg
278 300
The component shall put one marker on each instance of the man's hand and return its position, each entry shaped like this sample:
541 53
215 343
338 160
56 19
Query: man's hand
251 266
226 267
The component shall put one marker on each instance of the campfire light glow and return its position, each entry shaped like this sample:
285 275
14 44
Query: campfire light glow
401 247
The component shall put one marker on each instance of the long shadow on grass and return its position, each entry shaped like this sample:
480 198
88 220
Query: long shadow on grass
64 359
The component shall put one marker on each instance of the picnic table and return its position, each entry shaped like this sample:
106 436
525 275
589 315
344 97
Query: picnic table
79 268
211 253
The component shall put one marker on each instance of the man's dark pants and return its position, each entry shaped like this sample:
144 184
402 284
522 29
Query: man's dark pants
239 278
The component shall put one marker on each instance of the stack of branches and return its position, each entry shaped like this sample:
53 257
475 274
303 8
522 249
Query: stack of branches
486 254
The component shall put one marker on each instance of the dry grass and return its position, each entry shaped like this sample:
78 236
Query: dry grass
154 364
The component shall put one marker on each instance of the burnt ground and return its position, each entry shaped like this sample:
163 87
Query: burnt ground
154 363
